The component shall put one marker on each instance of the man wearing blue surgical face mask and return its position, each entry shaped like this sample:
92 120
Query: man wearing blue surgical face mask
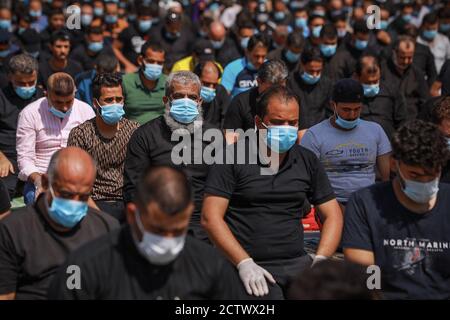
20 90
239 195
214 96
438 43
144 89
168 263
56 225
39 21
157 141
315 25
381 104
351 150
128 44
311 88
224 50
290 53
440 116
403 225
36 142
328 48
105 138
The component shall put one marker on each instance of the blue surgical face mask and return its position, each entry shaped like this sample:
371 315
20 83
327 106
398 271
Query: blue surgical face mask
429 34
35 14
371 90
301 22
444 27
67 213
184 110
420 192
279 15
25 92
110 19
281 138
341 33
309 79
86 20
5 24
98 12
328 50
383 24
59 114
407 17
95 46
144 25
152 71
346 124
21 30
112 113
291 56
316 31
4 53
173 36
217 44
244 42
448 142
361 44
208 94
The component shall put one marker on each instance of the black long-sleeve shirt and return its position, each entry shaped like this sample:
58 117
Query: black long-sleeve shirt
387 108
410 84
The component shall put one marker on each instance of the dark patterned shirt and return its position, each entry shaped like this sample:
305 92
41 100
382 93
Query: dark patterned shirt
109 155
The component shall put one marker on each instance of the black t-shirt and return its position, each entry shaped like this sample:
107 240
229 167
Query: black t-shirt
45 70
113 268
242 110
151 144
31 251
265 210
10 106
132 41
86 60
314 100
214 111
412 250
444 77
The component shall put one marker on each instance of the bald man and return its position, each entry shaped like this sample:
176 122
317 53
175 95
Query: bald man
35 241
223 45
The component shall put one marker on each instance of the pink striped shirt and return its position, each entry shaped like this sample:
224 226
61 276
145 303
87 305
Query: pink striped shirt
40 134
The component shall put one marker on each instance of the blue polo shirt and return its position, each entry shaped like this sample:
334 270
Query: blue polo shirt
238 77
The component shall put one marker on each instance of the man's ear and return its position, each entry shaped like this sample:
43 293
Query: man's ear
130 210
165 99
140 60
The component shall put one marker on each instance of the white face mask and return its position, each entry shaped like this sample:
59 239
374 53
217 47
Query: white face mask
157 249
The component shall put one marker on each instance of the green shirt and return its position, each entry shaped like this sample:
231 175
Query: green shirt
141 104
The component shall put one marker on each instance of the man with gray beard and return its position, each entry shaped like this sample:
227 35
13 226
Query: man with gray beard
174 139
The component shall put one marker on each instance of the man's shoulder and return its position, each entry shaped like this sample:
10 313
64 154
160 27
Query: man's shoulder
83 128
102 219
149 126
19 220
370 125
318 128
235 65
130 77
129 125
33 107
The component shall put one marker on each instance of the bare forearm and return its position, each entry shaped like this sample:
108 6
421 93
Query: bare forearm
331 234
119 55
223 238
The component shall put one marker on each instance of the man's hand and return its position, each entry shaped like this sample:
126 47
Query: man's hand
130 68
254 277
36 179
5 166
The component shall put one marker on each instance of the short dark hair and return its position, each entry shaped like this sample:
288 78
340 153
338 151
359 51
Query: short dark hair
167 186
360 26
275 91
311 54
420 143
430 18
198 69
59 35
372 68
106 63
108 80
441 110
332 280
258 40
94 30
154 46
315 16
55 12
144 11
328 32
295 40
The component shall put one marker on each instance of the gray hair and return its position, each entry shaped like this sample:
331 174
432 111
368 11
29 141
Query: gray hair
181 77
23 63
273 71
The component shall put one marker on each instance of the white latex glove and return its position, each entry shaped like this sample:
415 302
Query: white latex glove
254 277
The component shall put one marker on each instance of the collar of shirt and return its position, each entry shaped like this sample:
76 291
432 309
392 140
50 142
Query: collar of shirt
138 82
